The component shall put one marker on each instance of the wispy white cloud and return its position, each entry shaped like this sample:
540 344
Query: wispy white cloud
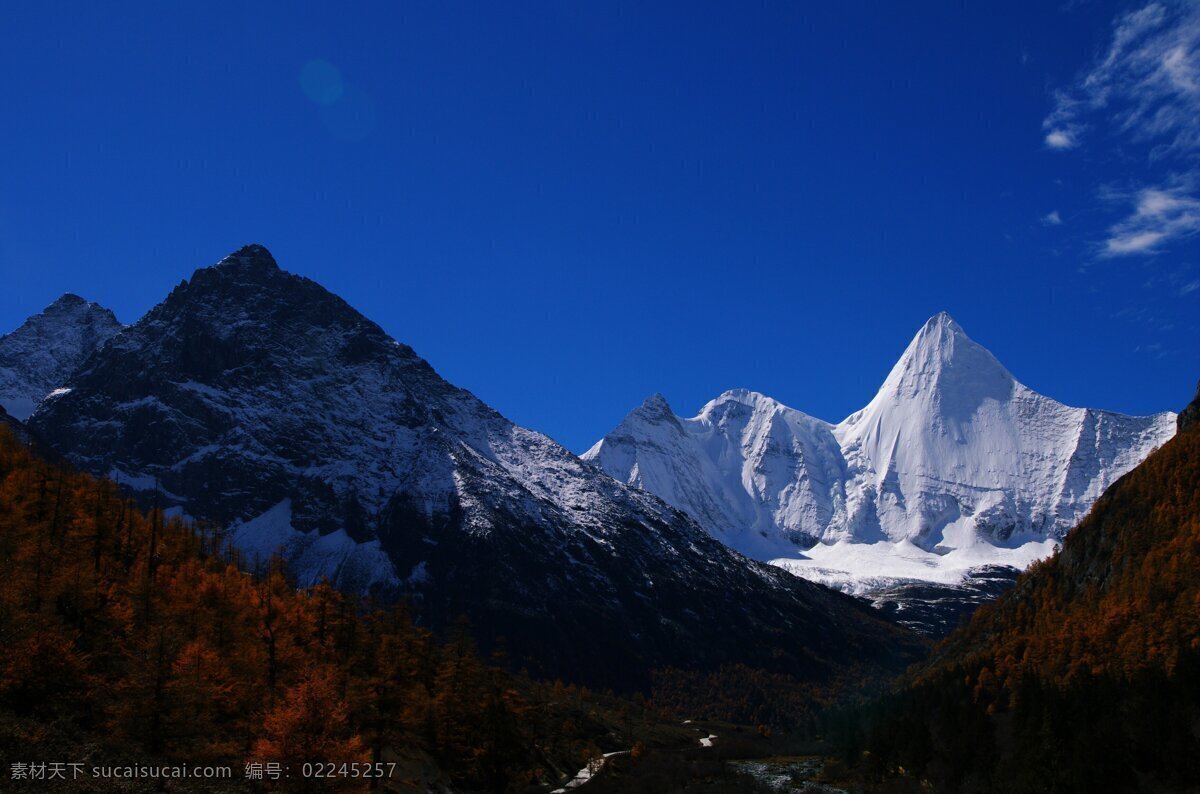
1154 350
1061 139
1190 287
1052 219
1144 89
1147 82
1159 215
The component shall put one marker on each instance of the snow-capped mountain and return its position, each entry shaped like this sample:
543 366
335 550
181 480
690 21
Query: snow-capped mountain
36 358
954 464
257 400
757 474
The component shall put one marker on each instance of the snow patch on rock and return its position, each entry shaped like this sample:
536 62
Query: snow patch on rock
312 556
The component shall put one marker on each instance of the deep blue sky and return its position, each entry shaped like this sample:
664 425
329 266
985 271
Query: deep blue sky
565 208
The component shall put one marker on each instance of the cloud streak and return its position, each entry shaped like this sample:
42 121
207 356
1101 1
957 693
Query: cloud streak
1148 82
1159 215
1144 89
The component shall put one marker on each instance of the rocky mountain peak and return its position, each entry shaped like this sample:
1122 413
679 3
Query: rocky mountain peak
940 358
655 405
38 356
246 303
68 301
751 399
71 305
654 411
250 265
250 256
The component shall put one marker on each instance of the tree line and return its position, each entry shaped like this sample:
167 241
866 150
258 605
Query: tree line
144 636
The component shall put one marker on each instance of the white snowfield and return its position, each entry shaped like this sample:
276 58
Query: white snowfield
954 464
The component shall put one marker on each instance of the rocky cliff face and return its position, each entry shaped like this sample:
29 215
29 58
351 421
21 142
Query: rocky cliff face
257 400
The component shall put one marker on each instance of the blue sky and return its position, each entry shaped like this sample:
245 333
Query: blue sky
566 207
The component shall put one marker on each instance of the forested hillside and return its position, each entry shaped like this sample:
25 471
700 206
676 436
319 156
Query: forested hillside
127 637
1086 676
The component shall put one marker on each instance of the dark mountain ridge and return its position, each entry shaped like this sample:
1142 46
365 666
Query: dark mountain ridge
258 401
